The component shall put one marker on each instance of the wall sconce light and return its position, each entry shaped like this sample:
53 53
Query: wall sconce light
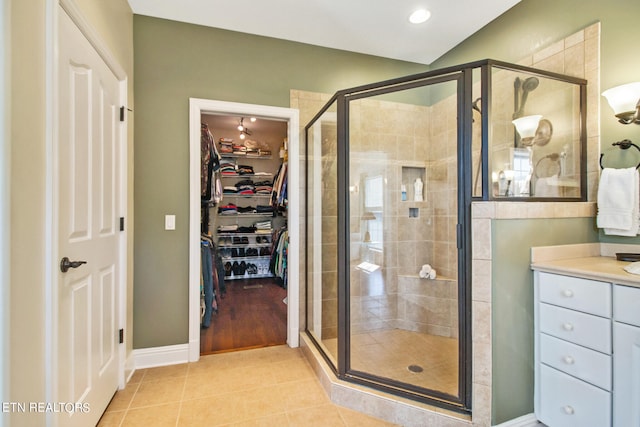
625 102
526 127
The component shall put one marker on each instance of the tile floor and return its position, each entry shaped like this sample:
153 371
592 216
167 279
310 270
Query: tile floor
272 386
389 353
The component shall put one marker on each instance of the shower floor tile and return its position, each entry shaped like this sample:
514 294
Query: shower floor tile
390 353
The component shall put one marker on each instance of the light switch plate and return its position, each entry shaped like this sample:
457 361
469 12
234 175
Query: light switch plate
169 222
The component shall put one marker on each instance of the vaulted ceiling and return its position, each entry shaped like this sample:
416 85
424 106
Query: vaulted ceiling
374 27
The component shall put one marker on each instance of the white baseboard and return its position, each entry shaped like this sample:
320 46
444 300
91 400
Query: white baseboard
528 420
161 356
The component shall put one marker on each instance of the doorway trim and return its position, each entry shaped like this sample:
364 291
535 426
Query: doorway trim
197 107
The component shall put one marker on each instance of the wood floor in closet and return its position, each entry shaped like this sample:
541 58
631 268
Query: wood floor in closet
252 314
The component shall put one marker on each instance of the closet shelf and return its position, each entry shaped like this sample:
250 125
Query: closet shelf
248 215
245 258
244 156
232 234
248 276
246 196
252 175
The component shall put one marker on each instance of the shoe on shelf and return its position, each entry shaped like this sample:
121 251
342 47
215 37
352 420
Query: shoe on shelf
227 269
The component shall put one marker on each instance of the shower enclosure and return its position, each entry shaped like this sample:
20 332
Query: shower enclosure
391 170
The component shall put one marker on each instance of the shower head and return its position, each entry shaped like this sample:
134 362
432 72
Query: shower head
530 83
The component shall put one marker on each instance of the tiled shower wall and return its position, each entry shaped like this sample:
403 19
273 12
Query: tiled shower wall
389 139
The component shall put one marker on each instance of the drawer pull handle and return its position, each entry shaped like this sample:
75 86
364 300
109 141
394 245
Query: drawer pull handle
568 360
568 410
567 293
567 327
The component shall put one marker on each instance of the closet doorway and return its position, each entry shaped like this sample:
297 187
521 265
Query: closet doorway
246 236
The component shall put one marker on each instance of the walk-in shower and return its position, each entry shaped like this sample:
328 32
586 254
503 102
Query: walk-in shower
391 170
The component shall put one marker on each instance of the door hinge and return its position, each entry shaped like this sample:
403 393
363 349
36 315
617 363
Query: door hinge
121 223
121 336
122 111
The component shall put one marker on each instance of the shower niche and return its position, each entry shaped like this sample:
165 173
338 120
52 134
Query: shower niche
391 170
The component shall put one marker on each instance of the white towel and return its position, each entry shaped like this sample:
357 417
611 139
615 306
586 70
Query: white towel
547 187
619 201
424 271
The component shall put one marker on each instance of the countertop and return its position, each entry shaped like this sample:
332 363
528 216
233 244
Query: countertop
601 268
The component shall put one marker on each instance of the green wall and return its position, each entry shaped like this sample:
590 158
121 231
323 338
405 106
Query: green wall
512 304
176 61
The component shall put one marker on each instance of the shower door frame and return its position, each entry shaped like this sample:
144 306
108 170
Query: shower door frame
463 75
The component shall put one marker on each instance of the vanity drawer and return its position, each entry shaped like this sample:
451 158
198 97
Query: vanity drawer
583 363
569 402
626 304
589 296
579 328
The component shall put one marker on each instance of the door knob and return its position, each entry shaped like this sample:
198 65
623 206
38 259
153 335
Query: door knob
65 264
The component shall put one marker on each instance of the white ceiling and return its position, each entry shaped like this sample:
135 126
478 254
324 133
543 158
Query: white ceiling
374 27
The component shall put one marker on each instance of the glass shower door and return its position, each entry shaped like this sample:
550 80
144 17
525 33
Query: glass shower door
321 224
403 216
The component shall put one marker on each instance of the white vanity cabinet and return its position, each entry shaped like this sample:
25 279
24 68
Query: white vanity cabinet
626 356
587 352
573 347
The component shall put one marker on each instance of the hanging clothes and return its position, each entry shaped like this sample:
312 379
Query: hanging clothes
207 290
209 162
279 200
279 249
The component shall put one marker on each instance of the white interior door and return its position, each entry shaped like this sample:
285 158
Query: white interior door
88 227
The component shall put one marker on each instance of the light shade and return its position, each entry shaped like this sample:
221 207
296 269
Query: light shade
368 216
623 99
527 125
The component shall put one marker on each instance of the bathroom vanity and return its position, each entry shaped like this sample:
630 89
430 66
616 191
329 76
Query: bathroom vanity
587 338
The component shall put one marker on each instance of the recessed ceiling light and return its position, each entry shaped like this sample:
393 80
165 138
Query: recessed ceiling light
419 16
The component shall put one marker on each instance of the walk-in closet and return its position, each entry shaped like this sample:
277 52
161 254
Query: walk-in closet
244 234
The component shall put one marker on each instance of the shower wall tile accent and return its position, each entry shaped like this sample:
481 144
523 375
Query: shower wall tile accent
578 55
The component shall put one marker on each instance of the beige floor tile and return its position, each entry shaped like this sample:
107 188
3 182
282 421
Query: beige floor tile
357 419
263 401
274 386
157 416
205 385
158 392
291 370
165 372
218 411
279 420
319 416
122 399
303 394
137 376
111 419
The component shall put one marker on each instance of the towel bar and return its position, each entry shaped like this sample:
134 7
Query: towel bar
625 144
